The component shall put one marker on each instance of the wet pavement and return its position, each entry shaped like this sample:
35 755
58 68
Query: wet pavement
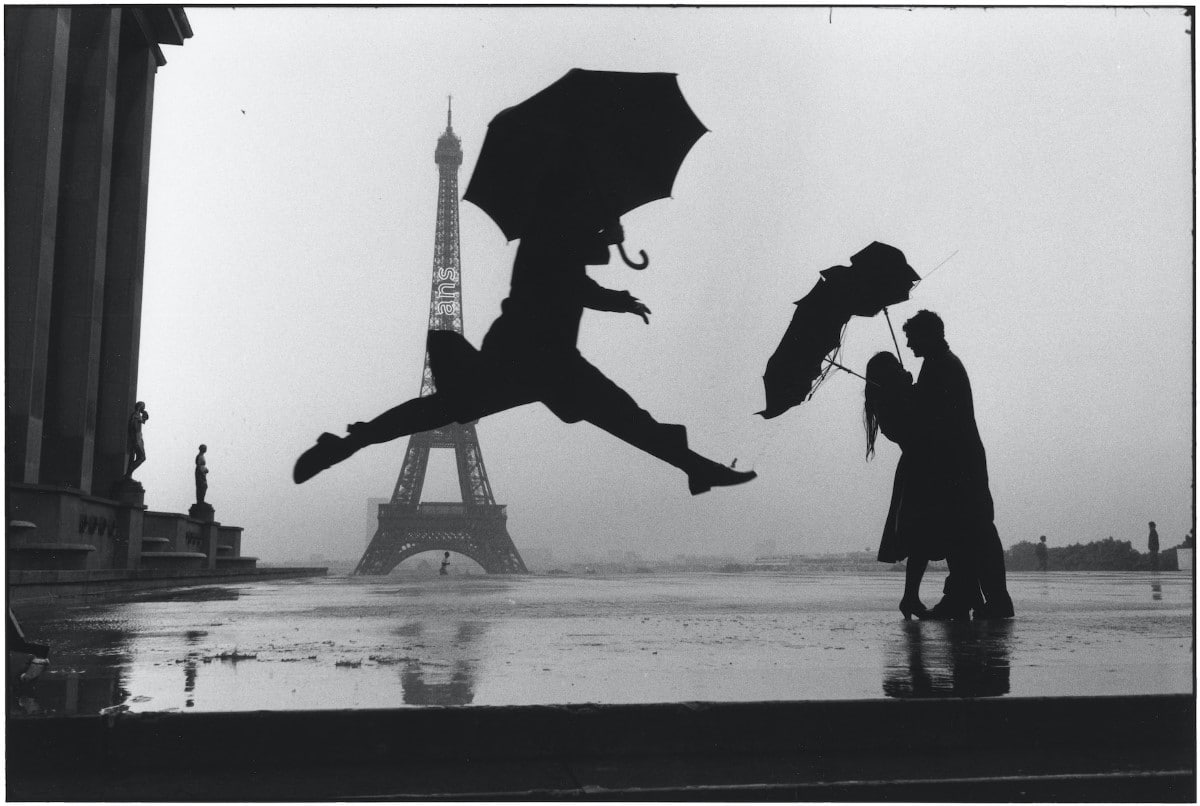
476 640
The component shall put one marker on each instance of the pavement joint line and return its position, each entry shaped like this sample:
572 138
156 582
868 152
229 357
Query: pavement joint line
595 790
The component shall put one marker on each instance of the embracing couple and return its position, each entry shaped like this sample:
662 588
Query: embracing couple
941 506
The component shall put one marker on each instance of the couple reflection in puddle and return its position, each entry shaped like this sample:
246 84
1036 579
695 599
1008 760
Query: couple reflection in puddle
943 659
446 673
950 659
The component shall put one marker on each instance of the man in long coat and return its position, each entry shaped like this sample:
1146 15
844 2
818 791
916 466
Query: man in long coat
952 466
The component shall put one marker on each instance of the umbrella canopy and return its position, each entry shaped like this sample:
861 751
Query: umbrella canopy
877 276
592 146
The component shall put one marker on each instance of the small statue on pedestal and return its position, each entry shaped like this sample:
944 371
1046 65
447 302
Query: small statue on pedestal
201 475
137 448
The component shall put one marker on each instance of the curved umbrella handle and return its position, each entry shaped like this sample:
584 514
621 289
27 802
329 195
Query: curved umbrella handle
639 266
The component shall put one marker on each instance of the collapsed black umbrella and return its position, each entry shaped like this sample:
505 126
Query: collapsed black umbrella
592 146
877 276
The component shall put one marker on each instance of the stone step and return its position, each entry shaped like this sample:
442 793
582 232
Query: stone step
49 556
236 562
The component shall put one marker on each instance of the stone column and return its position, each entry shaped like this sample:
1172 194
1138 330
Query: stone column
35 81
68 440
122 319
212 538
210 531
127 542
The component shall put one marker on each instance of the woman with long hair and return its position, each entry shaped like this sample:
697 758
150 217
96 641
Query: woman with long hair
888 409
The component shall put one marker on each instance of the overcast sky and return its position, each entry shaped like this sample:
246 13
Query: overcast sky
290 247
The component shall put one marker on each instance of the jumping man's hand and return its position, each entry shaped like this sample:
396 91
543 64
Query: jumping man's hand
624 302
639 307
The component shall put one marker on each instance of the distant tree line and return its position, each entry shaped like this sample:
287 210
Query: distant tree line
1101 555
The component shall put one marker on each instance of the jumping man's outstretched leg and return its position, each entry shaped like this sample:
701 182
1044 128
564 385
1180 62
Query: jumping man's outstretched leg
601 402
410 417
703 473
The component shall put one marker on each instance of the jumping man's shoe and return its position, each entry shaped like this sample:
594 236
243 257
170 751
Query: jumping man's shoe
712 475
328 451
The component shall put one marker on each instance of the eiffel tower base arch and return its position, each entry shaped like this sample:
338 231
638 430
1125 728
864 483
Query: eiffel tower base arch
479 532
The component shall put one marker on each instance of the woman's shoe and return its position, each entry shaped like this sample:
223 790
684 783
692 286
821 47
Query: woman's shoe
913 607
328 451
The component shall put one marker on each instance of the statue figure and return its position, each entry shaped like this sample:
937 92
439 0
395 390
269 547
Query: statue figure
137 449
201 475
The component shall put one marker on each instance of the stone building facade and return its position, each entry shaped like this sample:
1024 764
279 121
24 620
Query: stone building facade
78 95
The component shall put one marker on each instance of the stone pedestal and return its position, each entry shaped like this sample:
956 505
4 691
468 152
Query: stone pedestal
127 539
130 491
84 531
209 532
201 512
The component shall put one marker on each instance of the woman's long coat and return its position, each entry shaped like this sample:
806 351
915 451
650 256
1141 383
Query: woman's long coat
905 531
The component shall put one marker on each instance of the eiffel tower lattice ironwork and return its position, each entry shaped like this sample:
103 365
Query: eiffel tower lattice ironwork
476 527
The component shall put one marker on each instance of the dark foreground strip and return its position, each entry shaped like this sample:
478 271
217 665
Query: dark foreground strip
1129 748
1157 787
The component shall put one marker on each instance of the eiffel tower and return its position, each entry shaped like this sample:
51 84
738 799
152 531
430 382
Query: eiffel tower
476 527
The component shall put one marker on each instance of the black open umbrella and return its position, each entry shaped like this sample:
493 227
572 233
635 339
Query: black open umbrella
592 146
877 276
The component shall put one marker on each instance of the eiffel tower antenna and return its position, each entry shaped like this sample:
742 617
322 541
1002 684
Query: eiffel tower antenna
477 526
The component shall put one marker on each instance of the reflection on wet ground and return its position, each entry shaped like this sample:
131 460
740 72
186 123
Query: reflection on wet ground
86 674
363 643
427 685
950 659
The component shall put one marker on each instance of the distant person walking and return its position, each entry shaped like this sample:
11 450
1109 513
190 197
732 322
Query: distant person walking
137 448
1152 544
1043 555
201 475
953 464
445 569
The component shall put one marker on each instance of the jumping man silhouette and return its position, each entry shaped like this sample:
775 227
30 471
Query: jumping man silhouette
529 355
